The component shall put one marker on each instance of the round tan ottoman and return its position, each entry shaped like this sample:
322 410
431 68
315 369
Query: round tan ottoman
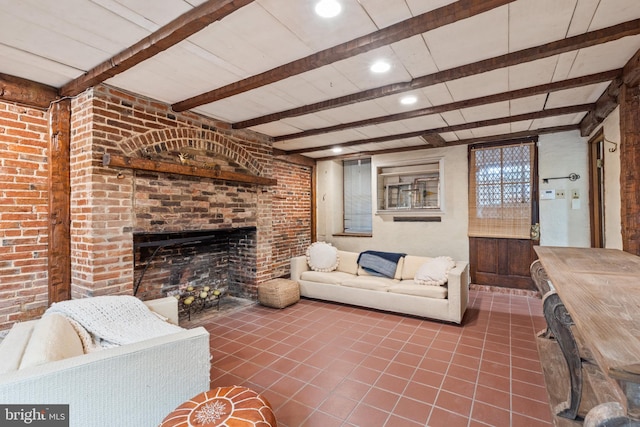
233 406
278 293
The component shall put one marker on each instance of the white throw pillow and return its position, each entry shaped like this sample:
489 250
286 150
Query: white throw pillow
434 272
322 256
53 338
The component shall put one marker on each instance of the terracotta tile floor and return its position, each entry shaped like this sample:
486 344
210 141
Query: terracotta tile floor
323 364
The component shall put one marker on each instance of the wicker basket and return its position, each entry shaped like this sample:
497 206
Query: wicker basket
278 293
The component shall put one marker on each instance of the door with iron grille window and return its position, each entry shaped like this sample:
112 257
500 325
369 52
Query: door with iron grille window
503 213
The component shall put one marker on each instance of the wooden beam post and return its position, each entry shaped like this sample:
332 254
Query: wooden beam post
630 156
60 202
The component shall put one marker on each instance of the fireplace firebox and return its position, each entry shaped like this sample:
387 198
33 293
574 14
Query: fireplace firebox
166 263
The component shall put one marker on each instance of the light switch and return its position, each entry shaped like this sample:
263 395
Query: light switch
575 203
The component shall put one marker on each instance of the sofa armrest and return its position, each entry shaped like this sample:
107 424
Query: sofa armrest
298 266
458 290
13 345
149 379
166 307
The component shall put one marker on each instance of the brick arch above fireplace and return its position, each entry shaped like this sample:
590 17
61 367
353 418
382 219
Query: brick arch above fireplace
173 139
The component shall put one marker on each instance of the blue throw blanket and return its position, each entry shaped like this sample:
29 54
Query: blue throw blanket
379 263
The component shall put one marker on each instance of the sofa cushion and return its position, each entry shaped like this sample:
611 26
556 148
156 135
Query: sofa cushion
373 283
348 262
330 277
435 271
13 345
53 338
322 256
411 265
410 287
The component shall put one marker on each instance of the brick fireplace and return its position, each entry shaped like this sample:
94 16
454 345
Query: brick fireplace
111 207
116 210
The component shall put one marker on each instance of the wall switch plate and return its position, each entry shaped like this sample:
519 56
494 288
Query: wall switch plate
559 194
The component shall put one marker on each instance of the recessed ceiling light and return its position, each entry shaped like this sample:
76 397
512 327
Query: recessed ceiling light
336 150
408 100
328 8
380 67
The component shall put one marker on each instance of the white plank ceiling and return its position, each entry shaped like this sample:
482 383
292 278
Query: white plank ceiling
56 42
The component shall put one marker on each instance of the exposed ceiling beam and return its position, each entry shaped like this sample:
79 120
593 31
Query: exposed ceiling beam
514 136
631 72
603 106
27 92
467 103
609 98
434 140
581 41
295 159
169 35
442 16
465 126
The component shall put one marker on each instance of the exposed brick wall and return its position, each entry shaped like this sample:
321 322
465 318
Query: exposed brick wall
101 213
108 206
165 202
23 213
291 214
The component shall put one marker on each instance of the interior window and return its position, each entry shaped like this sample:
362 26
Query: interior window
357 196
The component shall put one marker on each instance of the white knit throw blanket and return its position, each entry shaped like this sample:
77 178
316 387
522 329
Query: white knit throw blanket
111 321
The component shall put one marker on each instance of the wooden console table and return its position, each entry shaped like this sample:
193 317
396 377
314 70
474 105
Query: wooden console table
592 308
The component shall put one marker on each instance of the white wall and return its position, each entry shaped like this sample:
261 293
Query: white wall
612 218
561 223
448 237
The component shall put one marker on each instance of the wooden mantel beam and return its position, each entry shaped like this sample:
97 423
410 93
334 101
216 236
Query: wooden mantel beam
169 35
27 92
166 167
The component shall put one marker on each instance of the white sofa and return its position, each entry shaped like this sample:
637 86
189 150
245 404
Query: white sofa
350 284
132 385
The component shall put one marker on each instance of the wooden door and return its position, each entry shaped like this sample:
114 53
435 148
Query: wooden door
502 259
596 189
501 262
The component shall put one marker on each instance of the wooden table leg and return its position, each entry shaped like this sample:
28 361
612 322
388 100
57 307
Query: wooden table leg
559 322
